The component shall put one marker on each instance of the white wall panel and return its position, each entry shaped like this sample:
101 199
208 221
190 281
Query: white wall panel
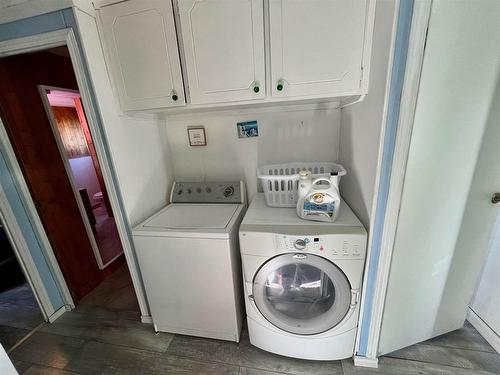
306 135
361 123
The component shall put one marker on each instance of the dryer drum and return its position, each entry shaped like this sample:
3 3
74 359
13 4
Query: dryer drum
304 295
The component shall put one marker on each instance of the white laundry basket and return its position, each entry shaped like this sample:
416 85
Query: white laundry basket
280 181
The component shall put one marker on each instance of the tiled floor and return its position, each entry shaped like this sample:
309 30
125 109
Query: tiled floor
104 336
19 314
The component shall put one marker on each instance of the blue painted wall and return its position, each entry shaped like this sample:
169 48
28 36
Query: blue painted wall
405 14
32 26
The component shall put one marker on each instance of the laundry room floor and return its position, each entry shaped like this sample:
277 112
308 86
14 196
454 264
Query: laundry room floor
105 336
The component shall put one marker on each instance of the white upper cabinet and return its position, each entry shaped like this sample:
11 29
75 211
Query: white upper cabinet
223 42
142 53
317 47
228 49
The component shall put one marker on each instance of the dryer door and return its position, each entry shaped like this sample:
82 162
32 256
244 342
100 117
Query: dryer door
301 293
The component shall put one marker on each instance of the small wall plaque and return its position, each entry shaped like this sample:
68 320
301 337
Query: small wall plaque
197 136
247 129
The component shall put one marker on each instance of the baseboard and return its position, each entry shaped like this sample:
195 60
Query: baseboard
485 331
365 362
57 314
147 319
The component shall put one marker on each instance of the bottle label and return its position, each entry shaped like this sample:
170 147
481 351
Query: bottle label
325 208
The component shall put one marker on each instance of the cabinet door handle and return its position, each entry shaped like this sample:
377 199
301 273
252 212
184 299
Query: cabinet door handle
280 85
495 198
256 87
174 96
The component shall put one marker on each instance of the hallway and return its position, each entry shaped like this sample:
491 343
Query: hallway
106 235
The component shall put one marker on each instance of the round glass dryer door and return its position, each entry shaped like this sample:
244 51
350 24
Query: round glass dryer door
302 293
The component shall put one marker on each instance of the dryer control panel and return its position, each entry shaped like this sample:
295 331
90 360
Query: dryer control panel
207 192
345 246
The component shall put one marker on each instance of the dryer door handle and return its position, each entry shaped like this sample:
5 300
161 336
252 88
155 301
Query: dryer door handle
354 297
250 297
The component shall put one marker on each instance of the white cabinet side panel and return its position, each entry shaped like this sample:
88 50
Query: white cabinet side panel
361 124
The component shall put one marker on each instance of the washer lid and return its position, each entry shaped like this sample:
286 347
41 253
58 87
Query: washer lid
193 216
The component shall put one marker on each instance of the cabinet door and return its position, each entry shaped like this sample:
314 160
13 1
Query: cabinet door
142 53
224 49
317 46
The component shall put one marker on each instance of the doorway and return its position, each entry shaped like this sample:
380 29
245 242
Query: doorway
19 309
87 253
76 147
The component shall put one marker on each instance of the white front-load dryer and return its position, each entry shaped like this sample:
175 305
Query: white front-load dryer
302 281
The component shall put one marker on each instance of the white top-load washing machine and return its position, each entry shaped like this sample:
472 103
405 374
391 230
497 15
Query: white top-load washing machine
302 281
190 263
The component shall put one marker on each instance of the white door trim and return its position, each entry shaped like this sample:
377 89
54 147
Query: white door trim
362 361
484 329
415 55
67 37
20 248
58 313
17 175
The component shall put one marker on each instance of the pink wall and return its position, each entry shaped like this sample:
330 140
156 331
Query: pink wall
84 175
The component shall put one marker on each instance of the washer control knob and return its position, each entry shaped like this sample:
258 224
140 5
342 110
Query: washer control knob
299 244
228 191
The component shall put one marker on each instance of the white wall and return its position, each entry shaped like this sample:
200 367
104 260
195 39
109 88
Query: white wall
361 123
460 70
84 175
301 135
349 135
138 146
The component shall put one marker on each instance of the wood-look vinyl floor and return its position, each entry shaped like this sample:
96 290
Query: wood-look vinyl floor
105 336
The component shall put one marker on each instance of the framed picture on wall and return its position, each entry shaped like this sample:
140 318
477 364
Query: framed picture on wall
197 136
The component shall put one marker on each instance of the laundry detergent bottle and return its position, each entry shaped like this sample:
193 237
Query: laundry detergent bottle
318 198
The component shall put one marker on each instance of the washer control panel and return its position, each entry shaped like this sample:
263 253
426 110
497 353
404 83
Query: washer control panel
341 246
207 192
